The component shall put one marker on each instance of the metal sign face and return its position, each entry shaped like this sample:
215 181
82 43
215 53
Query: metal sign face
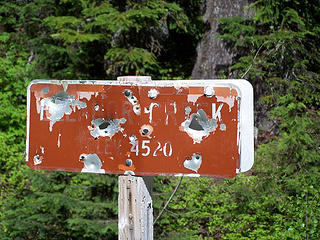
193 128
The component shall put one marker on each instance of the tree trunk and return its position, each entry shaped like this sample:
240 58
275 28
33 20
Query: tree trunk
213 56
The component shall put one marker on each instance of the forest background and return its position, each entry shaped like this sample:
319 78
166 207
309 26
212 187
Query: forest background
276 49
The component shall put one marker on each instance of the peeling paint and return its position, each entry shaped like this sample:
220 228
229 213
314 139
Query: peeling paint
228 100
59 142
96 107
187 111
174 107
150 109
42 149
223 127
46 90
193 98
86 95
178 86
194 94
92 163
131 173
57 106
194 163
132 139
172 114
65 85
153 93
199 126
105 128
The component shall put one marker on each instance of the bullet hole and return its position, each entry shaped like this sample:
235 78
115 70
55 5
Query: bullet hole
208 92
153 93
129 162
96 107
92 163
194 163
199 126
105 128
195 125
37 159
127 93
145 131
104 125
136 109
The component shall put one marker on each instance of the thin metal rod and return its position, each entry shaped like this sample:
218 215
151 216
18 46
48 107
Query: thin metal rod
165 206
253 59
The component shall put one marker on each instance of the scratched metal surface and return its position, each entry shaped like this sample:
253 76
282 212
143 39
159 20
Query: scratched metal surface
152 128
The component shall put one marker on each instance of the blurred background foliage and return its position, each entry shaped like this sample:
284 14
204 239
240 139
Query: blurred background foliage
66 39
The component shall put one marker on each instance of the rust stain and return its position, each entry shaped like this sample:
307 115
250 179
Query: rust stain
126 168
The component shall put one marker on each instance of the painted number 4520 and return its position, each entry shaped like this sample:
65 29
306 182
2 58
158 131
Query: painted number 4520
145 149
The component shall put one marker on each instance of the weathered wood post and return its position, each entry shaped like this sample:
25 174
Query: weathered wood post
135 211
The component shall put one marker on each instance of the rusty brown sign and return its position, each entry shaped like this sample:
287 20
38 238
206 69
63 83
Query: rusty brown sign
141 127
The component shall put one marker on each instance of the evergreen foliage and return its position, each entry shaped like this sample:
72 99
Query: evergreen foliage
279 199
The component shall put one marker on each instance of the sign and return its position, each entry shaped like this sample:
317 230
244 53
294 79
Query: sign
141 127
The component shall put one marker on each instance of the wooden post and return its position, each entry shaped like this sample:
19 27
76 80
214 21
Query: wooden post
135 211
